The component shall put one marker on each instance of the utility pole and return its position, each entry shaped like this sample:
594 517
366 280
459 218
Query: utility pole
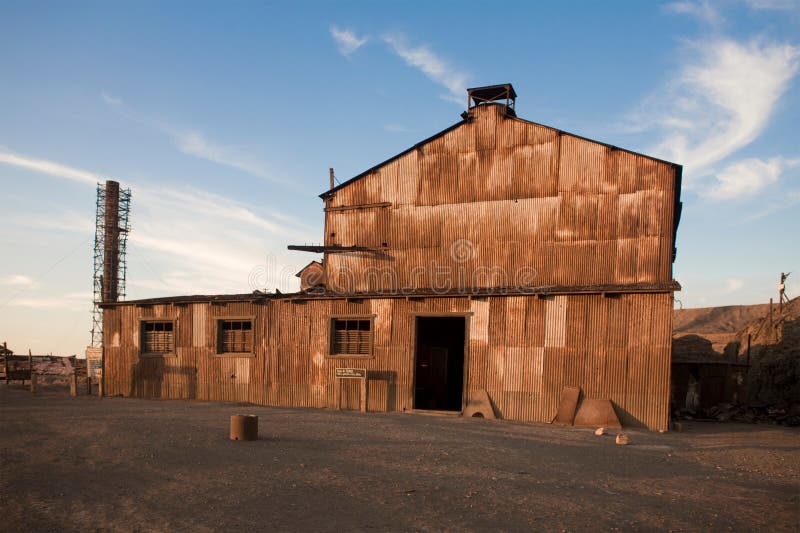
782 290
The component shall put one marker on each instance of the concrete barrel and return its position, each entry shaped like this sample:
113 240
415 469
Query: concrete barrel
244 427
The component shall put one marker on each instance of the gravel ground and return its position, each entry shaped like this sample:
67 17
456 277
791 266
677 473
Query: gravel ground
147 465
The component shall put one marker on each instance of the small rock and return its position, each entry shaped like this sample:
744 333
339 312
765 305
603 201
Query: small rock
600 431
622 440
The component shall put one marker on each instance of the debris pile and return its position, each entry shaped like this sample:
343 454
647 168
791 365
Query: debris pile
763 414
774 377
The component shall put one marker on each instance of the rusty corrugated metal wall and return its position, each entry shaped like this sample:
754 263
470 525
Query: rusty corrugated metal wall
535 205
521 349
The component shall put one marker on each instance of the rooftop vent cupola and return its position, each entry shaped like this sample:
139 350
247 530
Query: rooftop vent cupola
503 93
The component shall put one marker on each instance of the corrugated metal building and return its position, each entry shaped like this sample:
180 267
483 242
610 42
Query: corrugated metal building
498 255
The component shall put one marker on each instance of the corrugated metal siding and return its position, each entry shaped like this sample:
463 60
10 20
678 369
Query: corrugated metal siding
523 195
522 350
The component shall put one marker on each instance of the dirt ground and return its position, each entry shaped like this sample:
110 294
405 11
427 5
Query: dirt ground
140 465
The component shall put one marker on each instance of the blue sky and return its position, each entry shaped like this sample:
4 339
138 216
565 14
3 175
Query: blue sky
223 117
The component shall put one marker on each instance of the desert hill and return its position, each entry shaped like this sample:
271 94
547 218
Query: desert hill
725 319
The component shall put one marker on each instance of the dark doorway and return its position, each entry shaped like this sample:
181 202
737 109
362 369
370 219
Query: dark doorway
439 363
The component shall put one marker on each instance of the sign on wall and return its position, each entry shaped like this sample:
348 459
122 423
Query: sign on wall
360 373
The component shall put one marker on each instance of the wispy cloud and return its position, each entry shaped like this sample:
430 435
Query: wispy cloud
732 285
201 203
17 280
110 100
774 5
747 177
434 67
703 10
49 167
723 98
188 240
185 239
787 200
346 40
197 144
73 301
197 253
70 221
395 128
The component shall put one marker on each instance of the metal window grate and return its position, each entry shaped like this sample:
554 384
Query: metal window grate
158 337
235 336
351 337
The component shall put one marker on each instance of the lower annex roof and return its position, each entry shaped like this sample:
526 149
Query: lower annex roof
320 294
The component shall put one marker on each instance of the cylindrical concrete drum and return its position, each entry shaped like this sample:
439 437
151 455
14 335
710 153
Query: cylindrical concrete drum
244 427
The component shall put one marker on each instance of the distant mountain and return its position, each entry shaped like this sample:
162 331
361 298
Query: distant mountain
727 319
710 333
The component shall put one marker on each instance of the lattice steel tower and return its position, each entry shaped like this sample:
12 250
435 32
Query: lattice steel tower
110 240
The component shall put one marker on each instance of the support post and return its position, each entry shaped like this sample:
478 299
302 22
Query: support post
33 383
363 395
101 379
73 384
770 319
749 338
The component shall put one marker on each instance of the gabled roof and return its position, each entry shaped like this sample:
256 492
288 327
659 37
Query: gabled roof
469 119
300 272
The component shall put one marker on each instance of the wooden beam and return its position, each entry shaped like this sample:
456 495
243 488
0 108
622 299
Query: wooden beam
328 249
362 206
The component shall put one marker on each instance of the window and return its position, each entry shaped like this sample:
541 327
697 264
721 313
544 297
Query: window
351 336
158 337
235 336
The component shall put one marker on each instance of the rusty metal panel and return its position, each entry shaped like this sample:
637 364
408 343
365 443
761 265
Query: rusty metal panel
199 330
555 321
431 179
463 189
486 118
502 185
625 270
648 253
581 164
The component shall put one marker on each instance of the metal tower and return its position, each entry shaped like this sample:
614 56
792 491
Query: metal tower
110 242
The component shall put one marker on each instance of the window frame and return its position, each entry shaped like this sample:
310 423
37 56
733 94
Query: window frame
331 321
218 320
145 353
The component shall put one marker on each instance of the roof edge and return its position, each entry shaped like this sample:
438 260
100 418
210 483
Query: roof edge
545 290
397 156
